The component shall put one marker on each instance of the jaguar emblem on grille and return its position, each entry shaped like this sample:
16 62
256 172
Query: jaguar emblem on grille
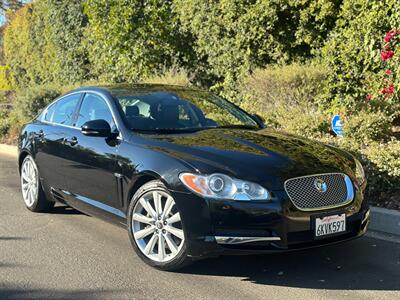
320 185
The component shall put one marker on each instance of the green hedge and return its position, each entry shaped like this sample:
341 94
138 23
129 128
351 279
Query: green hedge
216 42
43 44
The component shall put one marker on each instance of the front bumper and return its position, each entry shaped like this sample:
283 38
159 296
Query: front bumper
221 226
356 227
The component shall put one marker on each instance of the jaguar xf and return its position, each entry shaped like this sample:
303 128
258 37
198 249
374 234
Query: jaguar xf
188 174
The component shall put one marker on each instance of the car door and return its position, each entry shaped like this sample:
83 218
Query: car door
92 162
51 150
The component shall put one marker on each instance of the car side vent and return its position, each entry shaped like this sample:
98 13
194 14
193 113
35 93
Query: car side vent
57 196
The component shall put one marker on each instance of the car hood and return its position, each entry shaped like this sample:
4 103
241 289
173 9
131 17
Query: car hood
265 156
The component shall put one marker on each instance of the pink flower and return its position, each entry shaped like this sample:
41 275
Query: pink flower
388 72
388 91
369 98
390 35
385 55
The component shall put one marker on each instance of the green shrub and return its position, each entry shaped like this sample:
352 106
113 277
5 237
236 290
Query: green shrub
352 53
285 97
17 121
282 86
5 84
365 127
5 96
30 101
172 76
382 164
4 122
300 121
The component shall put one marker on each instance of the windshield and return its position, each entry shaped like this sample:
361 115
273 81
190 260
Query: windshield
180 110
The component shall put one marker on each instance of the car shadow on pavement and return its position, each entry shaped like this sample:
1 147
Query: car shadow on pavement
11 293
64 210
13 238
363 264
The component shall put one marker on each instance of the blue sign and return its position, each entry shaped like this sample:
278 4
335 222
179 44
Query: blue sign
337 125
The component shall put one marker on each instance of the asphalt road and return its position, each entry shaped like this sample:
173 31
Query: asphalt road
68 255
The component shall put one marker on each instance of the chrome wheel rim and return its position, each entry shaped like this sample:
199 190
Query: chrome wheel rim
157 226
29 182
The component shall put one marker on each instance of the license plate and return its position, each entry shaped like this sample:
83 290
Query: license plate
329 225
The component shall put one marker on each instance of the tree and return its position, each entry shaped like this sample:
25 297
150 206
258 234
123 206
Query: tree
129 39
233 37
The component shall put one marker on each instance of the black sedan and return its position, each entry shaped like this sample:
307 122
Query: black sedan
189 174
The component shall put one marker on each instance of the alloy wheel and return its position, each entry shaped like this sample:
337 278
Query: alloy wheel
157 226
29 182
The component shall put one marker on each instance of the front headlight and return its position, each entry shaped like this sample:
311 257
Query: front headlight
223 187
360 174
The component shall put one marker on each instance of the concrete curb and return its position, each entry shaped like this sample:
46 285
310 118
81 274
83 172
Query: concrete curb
382 219
385 220
8 150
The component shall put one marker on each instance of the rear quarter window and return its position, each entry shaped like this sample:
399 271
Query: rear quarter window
62 111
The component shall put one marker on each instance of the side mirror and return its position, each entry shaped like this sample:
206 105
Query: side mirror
260 120
99 128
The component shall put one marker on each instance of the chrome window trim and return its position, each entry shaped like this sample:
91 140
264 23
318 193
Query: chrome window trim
350 192
81 92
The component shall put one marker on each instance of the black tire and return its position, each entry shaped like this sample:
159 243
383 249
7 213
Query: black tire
181 259
40 203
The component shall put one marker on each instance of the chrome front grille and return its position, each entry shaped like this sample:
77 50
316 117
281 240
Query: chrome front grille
321 191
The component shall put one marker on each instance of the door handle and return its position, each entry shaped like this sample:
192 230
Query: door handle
73 141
